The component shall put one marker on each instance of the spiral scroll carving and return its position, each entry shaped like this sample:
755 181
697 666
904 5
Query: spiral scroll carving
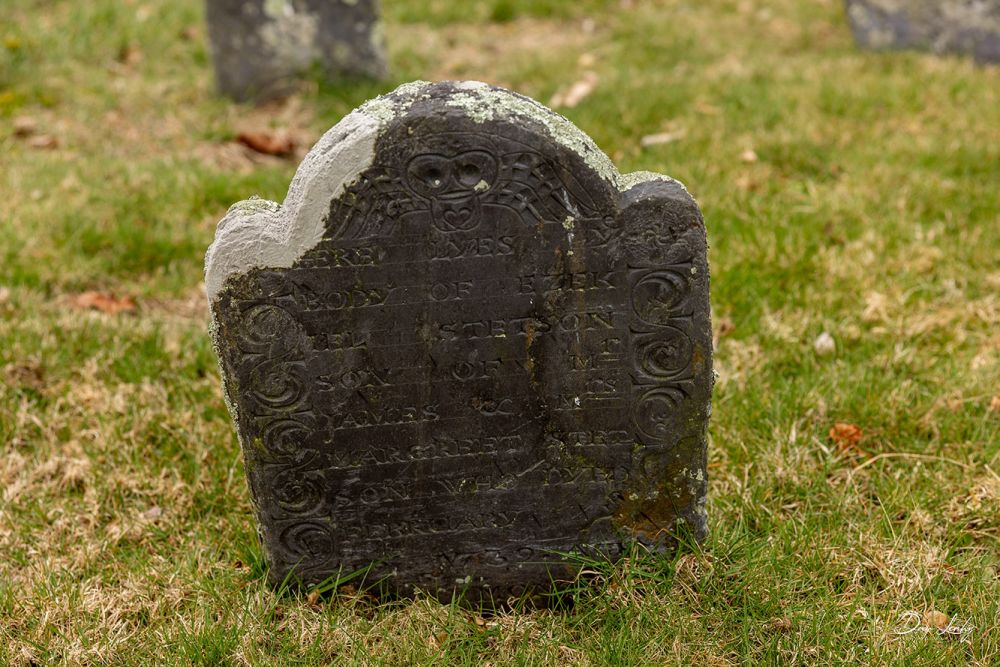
298 491
662 348
308 540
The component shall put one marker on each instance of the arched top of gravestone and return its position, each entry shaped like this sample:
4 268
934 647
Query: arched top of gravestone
470 126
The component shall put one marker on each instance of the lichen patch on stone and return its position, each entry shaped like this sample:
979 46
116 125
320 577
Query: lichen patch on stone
483 103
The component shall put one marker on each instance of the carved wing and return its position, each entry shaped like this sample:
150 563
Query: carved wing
530 183
372 207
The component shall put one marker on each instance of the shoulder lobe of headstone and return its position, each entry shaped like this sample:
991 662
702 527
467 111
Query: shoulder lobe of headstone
463 347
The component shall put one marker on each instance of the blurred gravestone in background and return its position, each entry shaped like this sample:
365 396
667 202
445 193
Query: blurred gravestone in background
956 26
463 346
260 47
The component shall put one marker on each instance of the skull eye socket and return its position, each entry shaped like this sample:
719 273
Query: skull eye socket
475 167
469 174
428 174
433 177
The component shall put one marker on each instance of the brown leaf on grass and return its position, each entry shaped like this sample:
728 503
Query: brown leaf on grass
437 641
995 404
726 326
25 126
105 302
661 138
723 327
129 55
313 599
44 141
576 93
845 436
267 143
749 156
29 374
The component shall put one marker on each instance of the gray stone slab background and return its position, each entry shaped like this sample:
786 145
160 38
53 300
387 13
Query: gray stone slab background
261 47
969 27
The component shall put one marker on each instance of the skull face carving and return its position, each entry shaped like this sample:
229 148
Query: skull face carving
454 184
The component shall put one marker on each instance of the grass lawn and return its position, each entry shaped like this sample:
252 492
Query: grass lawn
855 490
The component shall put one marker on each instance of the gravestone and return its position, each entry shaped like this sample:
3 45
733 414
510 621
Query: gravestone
463 347
958 26
261 47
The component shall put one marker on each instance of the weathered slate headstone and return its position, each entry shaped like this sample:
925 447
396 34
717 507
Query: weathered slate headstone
261 47
957 26
463 345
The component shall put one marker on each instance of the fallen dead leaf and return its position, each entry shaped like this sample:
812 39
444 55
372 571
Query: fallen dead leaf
480 622
661 138
267 143
129 55
29 374
25 126
44 141
995 404
576 93
724 326
313 599
105 302
845 436
438 640
749 156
